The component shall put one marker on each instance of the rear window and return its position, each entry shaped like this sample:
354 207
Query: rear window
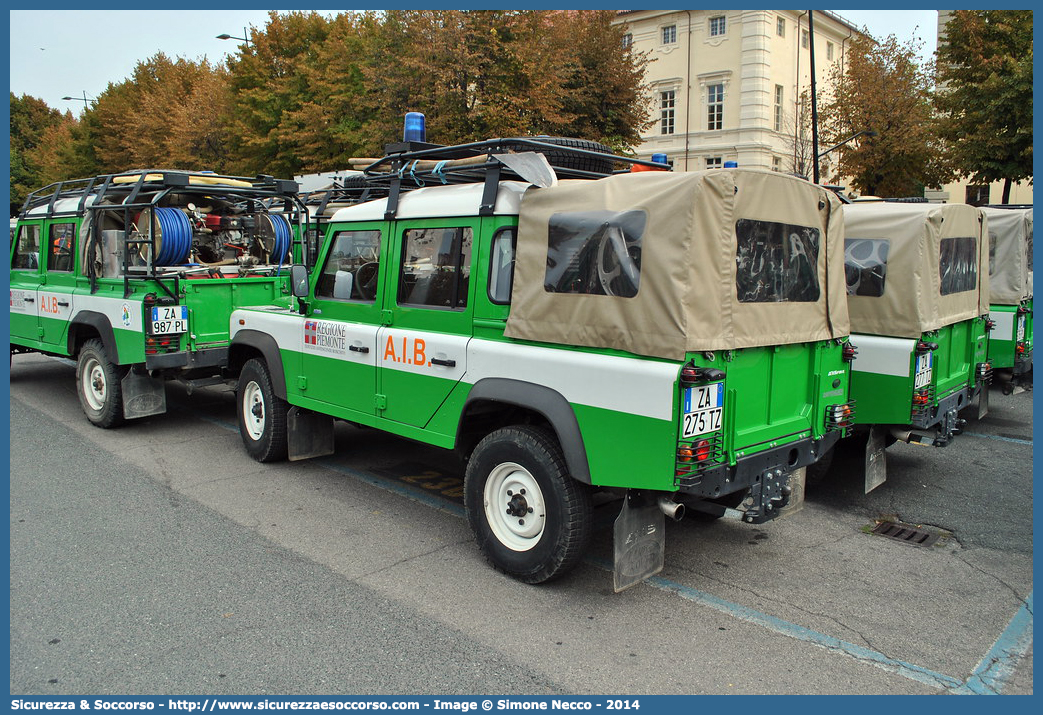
957 265
865 265
776 262
595 253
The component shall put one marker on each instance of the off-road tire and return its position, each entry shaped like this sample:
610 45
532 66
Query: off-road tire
262 414
568 160
98 385
520 468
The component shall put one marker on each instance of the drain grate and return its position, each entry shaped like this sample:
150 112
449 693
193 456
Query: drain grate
905 533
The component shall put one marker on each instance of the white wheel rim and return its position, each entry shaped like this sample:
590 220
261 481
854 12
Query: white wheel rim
94 385
514 507
253 410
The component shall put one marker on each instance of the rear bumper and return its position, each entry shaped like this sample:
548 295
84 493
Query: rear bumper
724 479
188 360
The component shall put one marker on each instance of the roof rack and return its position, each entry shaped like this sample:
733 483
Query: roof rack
125 188
411 165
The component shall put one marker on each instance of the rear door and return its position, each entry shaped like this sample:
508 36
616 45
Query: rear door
422 351
26 275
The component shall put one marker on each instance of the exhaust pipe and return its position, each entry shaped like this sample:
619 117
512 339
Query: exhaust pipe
671 508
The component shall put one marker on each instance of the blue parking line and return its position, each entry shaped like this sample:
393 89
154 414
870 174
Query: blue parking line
989 677
1002 439
997 667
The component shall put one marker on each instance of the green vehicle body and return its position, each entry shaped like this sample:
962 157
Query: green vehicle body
1010 285
62 302
918 305
446 369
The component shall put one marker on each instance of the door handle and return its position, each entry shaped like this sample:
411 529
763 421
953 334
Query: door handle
358 349
444 363
63 303
29 300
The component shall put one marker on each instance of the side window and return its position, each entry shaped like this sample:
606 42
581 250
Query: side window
351 268
436 267
865 265
60 245
501 265
957 265
776 262
27 250
595 253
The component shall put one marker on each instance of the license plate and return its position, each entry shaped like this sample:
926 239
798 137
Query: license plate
703 409
169 319
1021 329
923 370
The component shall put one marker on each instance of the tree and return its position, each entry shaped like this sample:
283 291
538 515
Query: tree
883 88
985 94
30 120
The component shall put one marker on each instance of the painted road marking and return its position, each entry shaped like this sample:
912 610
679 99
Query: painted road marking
990 676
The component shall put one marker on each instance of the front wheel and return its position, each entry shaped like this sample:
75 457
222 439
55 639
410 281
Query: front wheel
531 519
98 386
262 414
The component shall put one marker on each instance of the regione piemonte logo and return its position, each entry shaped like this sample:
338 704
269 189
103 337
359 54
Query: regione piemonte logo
322 336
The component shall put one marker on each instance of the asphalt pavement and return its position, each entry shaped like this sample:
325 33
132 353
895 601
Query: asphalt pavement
158 558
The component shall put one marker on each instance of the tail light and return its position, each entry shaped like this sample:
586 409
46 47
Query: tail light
984 369
1020 349
849 352
155 345
840 416
922 346
990 324
692 374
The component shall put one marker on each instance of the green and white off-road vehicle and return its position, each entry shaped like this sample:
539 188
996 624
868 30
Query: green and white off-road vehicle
134 276
919 300
1010 294
672 339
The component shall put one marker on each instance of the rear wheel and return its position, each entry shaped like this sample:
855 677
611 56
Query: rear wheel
262 414
531 519
98 386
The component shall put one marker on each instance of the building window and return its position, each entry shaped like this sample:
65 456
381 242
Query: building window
669 34
714 162
829 50
628 40
715 106
780 27
778 107
717 26
776 163
667 101
977 195
804 39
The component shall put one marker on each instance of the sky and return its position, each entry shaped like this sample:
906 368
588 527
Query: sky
54 52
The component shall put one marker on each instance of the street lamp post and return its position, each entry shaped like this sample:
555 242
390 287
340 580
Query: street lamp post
226 36
83 99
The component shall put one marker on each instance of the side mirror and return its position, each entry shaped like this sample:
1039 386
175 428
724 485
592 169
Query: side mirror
299 281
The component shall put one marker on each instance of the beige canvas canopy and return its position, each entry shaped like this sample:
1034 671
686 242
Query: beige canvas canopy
1010 254
662 263
912 268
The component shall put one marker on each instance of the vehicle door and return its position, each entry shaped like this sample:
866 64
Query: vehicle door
339 341
26 275
422 350
55 295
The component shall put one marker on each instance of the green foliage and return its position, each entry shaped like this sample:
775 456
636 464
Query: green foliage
30 120
884 89
985 95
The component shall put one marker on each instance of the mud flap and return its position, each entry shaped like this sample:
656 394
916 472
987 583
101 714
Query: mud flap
876 458
309 434
143 395
983 401
639 537
797 478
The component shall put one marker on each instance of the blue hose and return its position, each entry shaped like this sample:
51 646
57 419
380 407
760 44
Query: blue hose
176 234
283 237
